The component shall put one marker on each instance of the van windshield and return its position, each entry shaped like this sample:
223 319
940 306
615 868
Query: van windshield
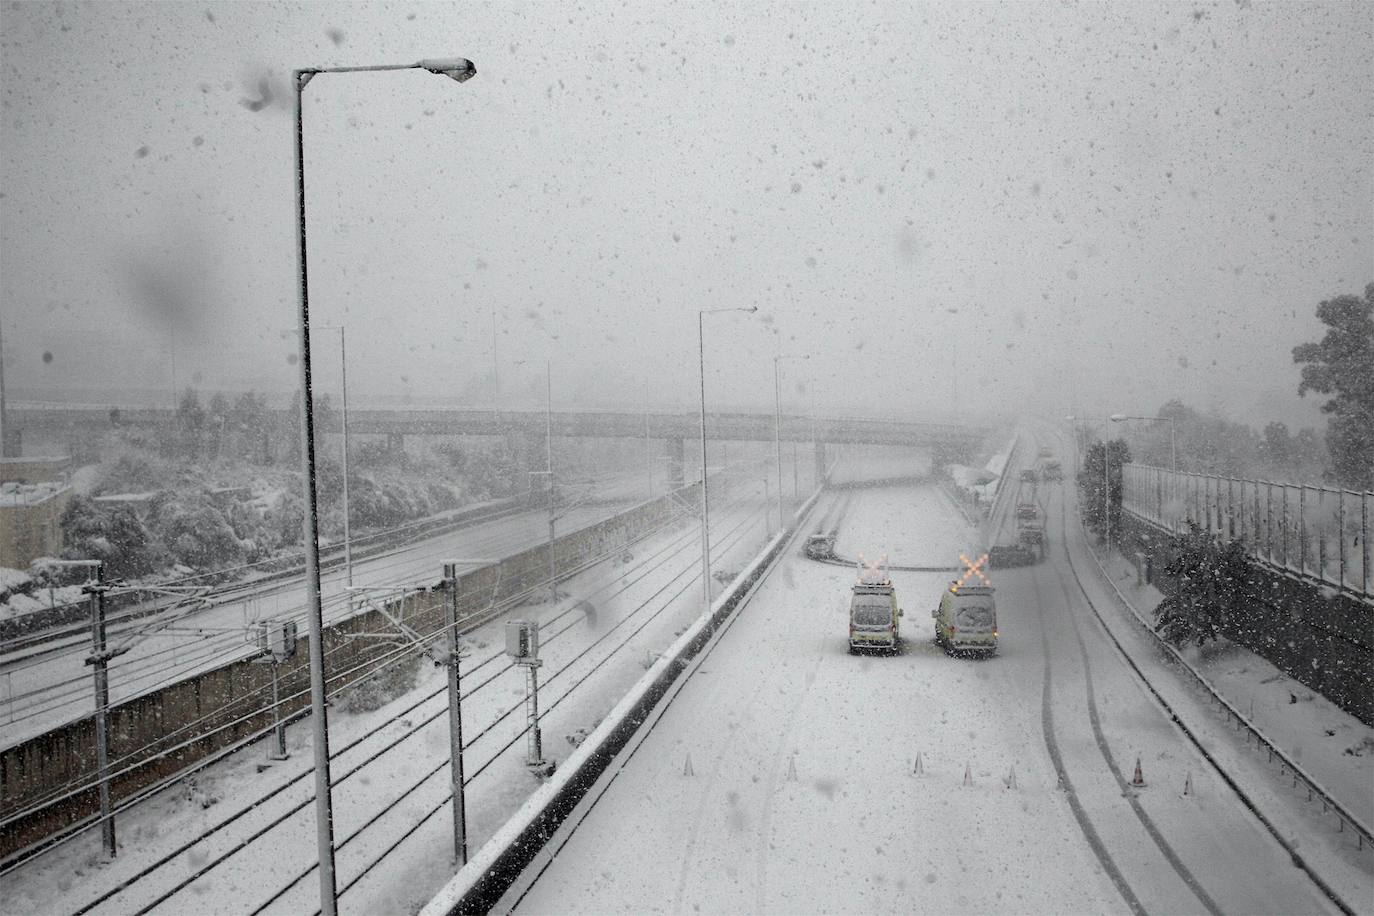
974 617
872 613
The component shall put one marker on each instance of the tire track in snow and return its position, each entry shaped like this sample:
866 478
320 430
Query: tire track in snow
1104 747
700 660
1052 745
764 835
1245 800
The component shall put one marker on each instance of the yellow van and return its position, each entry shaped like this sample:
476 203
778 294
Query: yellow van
874 618
966 620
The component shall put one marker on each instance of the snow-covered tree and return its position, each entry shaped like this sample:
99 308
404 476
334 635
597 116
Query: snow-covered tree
1341 364
1212 585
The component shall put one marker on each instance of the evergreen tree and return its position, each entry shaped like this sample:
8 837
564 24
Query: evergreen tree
1341 364
1101 493
1212 586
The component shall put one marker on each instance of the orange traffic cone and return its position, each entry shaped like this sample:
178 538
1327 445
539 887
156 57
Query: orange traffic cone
1137 779
968 775
1011 778
687 767
792 769
920 768
1188 784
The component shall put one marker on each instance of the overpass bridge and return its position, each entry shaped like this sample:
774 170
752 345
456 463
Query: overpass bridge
76 428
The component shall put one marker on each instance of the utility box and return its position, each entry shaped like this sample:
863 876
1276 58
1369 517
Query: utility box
522 641
277 638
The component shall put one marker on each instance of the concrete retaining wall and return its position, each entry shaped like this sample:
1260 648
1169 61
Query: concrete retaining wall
157 735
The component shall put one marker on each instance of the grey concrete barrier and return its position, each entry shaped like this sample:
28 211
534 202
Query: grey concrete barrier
499 863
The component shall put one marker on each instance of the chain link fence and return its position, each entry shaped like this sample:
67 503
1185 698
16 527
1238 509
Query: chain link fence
1316 533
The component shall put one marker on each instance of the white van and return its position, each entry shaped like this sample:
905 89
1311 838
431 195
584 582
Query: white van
966 620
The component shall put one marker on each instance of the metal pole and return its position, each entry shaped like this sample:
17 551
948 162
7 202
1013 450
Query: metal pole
548 444
648 457
705 528
777 432
495 364
348 540
278 728
455 716
324 815
534 746
99 662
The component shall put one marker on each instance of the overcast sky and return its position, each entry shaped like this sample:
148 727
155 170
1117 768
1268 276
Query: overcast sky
949 207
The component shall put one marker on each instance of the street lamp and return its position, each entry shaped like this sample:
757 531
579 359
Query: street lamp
705 533
343 385
1173 448
777 425
461 70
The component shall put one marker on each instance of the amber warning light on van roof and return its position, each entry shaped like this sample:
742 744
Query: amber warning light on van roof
970 569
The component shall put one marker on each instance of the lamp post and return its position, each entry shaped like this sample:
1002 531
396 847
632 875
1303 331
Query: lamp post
460 70
705 531
343 385
1173 447
777 425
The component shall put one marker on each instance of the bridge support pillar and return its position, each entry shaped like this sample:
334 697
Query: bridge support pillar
820 461
677 451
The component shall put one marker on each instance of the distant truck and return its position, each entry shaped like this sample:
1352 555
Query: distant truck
874 618
1051 469
966 620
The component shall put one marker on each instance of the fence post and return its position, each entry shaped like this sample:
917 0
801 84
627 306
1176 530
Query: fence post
1302 528
1364 543
1283 526
1340 531
1269 521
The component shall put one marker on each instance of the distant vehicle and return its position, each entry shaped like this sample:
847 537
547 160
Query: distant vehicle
874 618
1030 529
1045 452
1051 469
820 546
1030 534
1003 556
966 620
1028 475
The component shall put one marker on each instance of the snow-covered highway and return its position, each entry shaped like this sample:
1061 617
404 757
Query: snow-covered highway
784 776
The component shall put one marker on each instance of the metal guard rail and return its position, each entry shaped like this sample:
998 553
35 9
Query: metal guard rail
1286 764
